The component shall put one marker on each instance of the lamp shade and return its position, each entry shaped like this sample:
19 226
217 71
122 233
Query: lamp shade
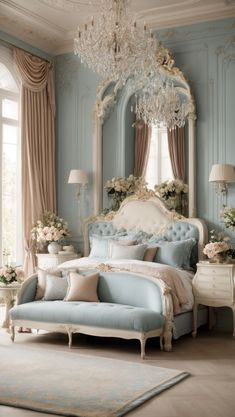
222 173
77 176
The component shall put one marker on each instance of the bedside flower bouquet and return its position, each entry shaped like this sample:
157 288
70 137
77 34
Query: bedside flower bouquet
11 274
120 188
172 192
218 248
51 228
228 217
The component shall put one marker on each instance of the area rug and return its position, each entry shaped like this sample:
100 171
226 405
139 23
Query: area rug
71 384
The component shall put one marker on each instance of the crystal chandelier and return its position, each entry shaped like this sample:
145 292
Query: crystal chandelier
159 104
114 46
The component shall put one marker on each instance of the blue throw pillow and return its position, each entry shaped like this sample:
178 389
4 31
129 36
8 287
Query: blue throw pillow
176 253
56 288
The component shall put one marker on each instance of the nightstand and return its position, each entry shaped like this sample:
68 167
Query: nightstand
48 260
214 286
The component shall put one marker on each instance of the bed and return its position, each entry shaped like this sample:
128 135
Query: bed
144 220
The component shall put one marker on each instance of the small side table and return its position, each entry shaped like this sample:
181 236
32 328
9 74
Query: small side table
214 286
8 295
48 260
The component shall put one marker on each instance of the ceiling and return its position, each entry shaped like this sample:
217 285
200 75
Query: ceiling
51 24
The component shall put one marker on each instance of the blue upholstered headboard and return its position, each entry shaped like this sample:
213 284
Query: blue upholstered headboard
146 220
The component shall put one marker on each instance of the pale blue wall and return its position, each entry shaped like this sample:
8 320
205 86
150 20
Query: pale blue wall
206 54
75 98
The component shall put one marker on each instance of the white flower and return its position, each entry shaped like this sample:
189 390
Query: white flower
49 228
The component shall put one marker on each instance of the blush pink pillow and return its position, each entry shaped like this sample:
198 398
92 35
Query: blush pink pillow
82 288
150 254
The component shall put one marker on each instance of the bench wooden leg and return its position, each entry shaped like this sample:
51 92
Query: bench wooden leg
70 335
142 344
167 340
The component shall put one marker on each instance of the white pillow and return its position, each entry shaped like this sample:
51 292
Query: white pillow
99 247
119 251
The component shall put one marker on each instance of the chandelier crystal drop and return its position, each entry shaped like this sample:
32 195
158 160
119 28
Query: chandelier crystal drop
114 46
161 106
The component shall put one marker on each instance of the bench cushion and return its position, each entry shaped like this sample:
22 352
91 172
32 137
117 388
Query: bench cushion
107 315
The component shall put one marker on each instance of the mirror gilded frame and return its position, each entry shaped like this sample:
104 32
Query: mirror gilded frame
107 95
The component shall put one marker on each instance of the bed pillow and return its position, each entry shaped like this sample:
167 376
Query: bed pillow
56 288
82 288
99 246
119 251
41 284
150 254
176 253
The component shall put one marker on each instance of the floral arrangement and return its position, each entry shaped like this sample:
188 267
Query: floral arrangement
51 228
219 245
173 188
228 217
10 274
120 188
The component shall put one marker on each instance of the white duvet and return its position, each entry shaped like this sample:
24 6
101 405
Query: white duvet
180 281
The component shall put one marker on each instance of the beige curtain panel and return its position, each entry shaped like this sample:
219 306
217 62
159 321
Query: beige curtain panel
177 152
142 146
38 145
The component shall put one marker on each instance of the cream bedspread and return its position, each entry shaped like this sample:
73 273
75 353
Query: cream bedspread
179 281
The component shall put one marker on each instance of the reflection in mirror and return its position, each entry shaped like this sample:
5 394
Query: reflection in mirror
113 134
158 167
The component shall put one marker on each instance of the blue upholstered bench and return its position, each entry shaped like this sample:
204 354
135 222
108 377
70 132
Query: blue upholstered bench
130 307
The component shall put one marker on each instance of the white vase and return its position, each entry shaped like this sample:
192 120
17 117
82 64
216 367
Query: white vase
53 248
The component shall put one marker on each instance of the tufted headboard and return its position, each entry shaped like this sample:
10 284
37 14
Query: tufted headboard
146 215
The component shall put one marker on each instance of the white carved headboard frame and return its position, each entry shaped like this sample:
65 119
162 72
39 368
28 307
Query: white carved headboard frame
147 213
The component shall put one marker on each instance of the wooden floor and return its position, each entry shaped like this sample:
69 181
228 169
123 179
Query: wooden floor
210 358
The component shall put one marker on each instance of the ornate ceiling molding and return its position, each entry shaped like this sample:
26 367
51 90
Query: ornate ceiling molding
51 24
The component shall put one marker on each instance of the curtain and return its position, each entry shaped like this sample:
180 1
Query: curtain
177 152
37 145
142 146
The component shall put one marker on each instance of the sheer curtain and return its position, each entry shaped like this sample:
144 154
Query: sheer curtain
177 152
38 144
142 146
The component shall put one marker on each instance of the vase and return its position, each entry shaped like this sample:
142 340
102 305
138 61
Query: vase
53 248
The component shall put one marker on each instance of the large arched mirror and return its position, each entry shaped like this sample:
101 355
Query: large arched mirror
113 144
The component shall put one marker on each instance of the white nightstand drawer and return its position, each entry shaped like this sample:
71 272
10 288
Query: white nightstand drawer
213 293
220 283
213 270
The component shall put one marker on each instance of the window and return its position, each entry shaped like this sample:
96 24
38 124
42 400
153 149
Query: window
159 164
10 178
